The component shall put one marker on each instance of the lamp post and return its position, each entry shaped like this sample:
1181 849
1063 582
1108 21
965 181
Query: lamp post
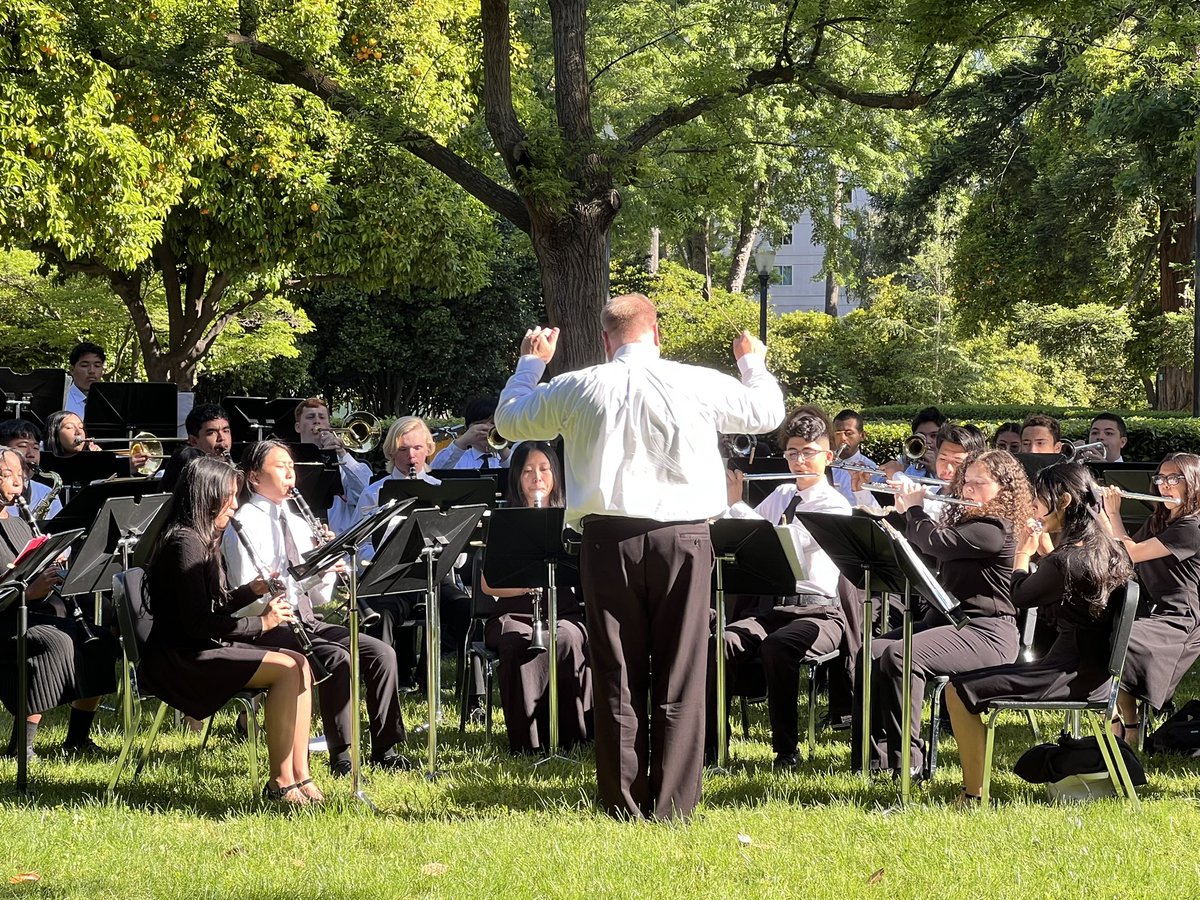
764 260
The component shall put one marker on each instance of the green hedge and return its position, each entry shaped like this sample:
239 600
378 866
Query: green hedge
1150 439
966 412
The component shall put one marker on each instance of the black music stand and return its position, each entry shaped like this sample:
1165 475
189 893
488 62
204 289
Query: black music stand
247 418
85 506
87 466
437 537
872 554
525 549
318 477
120 409
448 494
1035 462
1135 478
281 412
110 543
33 396
325 557
14 583
498 475
757 558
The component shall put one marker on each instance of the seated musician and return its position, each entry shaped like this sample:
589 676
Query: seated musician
278 535
1081 566
925 425
25 437
848 435
811 620
974 549
87 367
66 437
1007 437
1165 643
471 450
1110 430
312 424
1040 434
524 672
198 654
208 434
954 444
67 663
406 448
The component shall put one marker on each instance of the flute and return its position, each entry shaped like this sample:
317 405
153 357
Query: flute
277 587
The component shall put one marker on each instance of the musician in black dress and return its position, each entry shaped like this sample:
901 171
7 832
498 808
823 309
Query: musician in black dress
1083 565
64 666
974 549
1163 644
525 672
196 659
279 536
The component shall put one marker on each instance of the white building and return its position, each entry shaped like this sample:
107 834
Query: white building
799 285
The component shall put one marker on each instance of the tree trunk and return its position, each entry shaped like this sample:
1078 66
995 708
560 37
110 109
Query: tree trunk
573 259
1174 259
696 250
652 265
832 292
743 250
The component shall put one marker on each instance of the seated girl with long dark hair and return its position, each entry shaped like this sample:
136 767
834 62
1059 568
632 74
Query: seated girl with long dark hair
194 659
1074 581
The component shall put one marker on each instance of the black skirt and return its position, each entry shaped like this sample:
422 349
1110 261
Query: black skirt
199 682
63 665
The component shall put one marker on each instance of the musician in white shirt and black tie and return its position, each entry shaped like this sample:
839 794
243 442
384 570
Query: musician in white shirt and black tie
279 536
471 450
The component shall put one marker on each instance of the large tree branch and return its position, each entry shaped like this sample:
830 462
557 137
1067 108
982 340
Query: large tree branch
499 113
572 90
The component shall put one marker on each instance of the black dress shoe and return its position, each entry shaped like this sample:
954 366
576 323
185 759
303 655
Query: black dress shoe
393 761
340 768
785 761
86 748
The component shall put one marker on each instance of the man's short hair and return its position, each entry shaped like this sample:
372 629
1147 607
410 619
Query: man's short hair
1040 420
201 415
1111 417
16 429
929 414
968 437
310 403
628 316
83 349
480 410
809 423
846 415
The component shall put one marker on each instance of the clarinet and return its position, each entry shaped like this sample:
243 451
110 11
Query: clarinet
369 616
276 586
70 603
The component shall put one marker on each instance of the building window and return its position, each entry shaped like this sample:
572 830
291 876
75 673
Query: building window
783 275
787 239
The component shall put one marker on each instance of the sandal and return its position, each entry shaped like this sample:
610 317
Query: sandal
1125 729
967 801
284 794
311 791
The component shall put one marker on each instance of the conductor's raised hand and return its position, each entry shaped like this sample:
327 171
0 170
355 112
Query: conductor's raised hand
747 343
540 342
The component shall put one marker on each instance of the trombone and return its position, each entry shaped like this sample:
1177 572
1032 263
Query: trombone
144 443
359 431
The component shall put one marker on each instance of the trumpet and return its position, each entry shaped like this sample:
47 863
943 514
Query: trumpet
277 587
358 432
915 447
1074 451
496 441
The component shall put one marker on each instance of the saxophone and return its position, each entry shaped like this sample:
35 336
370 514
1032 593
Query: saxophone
56 483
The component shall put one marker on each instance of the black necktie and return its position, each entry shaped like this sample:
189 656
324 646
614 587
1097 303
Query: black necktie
790 513
485 461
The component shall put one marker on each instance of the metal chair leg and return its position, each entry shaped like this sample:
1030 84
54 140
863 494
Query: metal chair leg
1033 725
150 736
812 711
1110 750
989 748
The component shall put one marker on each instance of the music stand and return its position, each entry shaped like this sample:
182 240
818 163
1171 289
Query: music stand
525 549
1035 462
34 396
325 557
437 537
14 583
247 417
81 512
318 476
758 558
120 409
498 474
110 543
1135 478
86 467
281 412
448 494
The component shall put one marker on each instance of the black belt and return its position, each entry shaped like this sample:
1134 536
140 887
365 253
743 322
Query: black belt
807 600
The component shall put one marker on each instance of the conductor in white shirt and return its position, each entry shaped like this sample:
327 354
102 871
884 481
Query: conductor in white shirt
643 477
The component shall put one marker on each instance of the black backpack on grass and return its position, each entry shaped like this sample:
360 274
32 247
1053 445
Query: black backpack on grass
1178 735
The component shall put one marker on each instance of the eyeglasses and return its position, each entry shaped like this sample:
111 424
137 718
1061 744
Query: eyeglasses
1171 480
809 454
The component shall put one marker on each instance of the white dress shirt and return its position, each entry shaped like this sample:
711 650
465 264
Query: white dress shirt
368 502
356 475
640 432
821 575
37 493
451 457
75 400
262 521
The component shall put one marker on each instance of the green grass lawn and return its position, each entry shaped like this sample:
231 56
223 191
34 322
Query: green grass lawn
496 826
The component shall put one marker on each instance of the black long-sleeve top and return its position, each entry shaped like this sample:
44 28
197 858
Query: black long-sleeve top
975 559
190 601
